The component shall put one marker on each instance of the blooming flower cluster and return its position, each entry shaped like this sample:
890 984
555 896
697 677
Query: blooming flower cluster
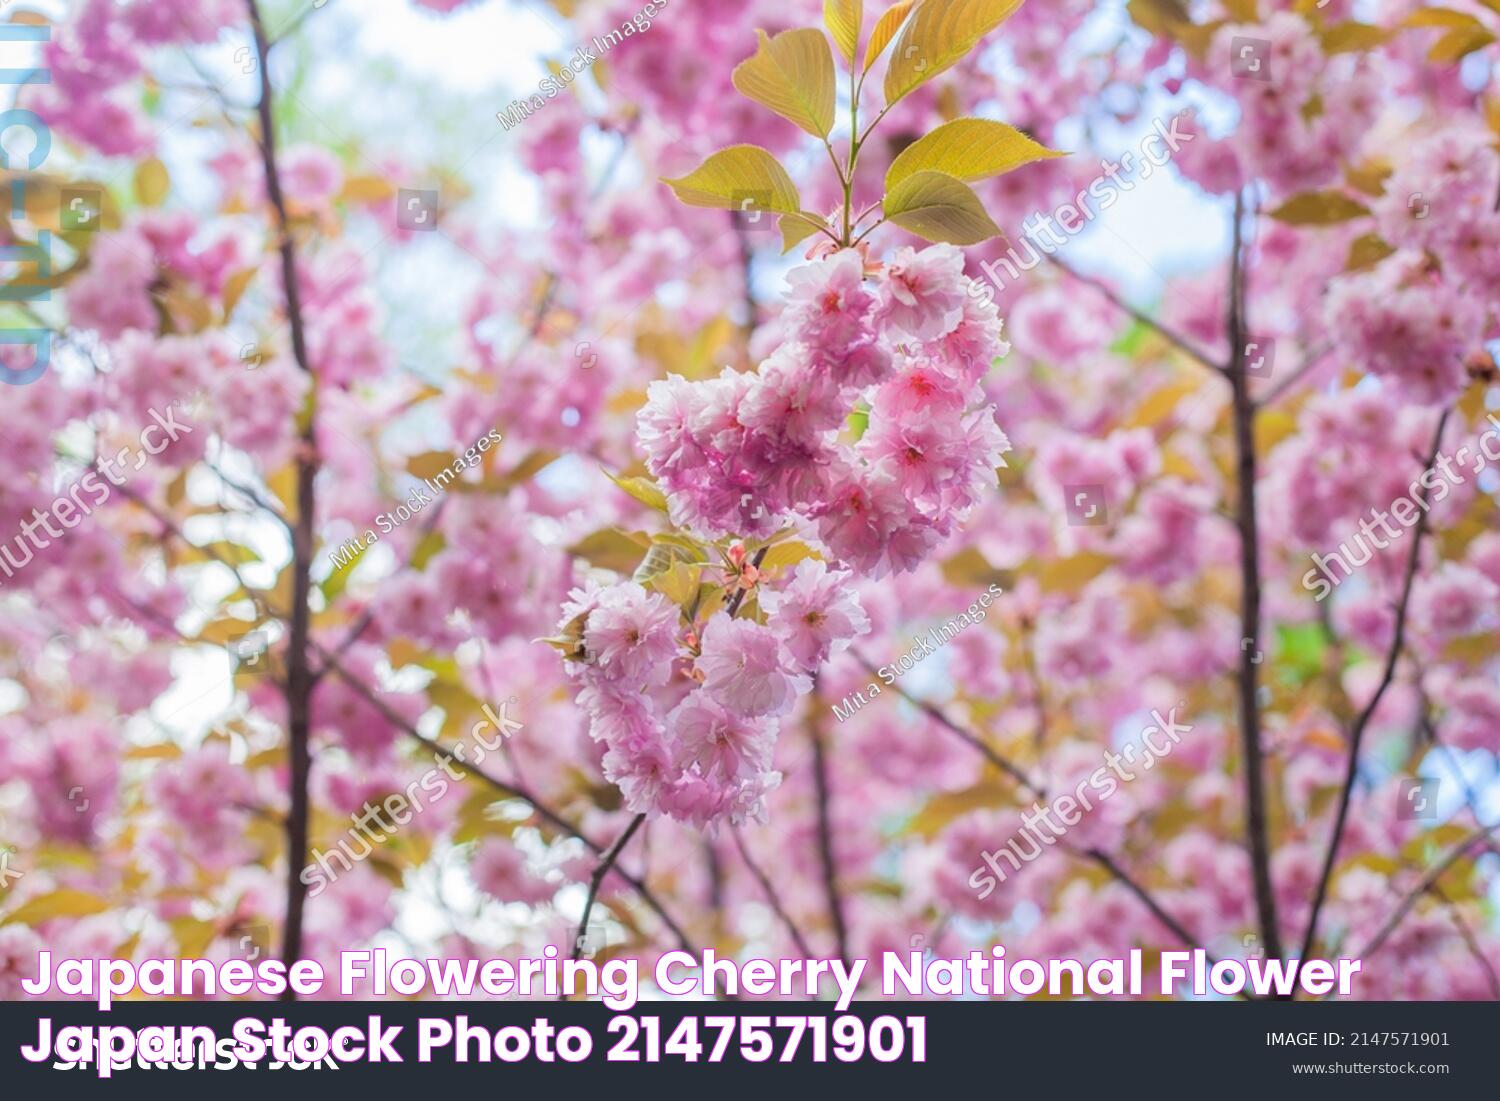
749 453
688 725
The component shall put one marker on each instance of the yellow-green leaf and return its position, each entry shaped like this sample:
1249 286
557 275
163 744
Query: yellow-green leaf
642 489
735 176
152 182
611 549
783 555
429 464
56 904
1366 252
967 149
1068 575
843 19
1443 17
235 287
885 29
938 207
1319 208
366 189
1459 44
1163 17
792 74
938 34
795 230
1351 36
659 560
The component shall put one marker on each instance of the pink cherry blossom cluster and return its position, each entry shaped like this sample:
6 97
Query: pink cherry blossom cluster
688 725
747 454
750 453
1302 113
1417 315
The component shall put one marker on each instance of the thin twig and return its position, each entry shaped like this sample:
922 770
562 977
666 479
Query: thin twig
772 897
510 790
1454 855
972 740
1181 343
1466 933
1357 732
606 862
826 859
1097 856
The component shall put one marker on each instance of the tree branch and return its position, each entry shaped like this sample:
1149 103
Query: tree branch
1097 856
773 898
972 740
1429 880
299 680
826 859
1253 760
606 862
1182 344
1357 732
509 790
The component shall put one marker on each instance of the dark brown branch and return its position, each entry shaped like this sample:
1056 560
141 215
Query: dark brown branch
1466 934
1108 863
773 898
606 862
299 680
1252 762
1182 344
509 790
826 859
1429 880
972 740
1357 732
1097 856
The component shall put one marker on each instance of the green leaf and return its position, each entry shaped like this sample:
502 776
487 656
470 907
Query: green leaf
795 230
679 584
967 149
734 177
63 903
783 555
939 33
659 560
885 29
1319 208
611 549
642 489
937 207
1350 37
843 19
792 74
